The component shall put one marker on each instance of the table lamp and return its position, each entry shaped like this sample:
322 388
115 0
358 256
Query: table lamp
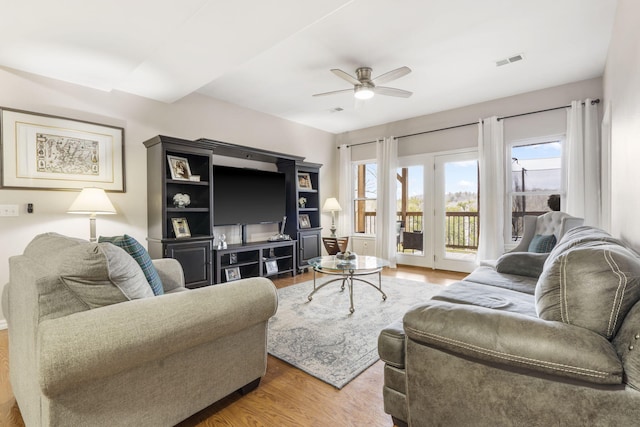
92 201
332 205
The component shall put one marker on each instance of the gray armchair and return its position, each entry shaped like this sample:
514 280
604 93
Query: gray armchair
555 222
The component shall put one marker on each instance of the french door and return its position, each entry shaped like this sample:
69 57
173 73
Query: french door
456 219
437 204
414 202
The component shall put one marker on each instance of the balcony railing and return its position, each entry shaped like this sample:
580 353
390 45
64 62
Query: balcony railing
461 228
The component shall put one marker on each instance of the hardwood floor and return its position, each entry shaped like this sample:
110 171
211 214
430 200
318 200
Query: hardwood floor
286 395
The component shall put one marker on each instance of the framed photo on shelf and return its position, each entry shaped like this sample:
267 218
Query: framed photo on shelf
181 227
304 221
271 266
233 258
179 167
304 181
232 273
56 153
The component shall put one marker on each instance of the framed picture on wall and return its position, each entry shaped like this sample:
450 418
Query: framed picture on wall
181 227
304 221
55 153
304 181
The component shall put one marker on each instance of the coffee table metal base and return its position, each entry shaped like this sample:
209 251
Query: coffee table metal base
348 277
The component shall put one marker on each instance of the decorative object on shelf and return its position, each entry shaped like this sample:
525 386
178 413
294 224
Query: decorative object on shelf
232 273
179 167
92 201
194 178
302 202
304 181
181 227
181 200
346 256
222 241
271 266
305 222
55 153
233 258
332 205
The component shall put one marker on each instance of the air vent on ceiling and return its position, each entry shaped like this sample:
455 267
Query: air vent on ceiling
509 60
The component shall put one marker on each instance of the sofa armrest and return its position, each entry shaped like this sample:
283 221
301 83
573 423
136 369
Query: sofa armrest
99 343
528 264
170 272
515 340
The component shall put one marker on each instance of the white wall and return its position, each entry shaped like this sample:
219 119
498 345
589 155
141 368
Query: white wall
192 117
622 97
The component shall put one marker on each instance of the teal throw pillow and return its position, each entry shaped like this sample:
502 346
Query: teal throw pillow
542 243
140 254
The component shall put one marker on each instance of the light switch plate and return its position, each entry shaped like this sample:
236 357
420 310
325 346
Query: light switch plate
9 210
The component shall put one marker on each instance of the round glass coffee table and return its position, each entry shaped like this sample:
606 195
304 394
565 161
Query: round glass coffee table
349 271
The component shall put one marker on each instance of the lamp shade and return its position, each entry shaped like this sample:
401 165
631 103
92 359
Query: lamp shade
92 201
331 205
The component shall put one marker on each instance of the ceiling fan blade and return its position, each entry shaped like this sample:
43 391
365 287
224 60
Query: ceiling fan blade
346 76
390 91
391 75
334 92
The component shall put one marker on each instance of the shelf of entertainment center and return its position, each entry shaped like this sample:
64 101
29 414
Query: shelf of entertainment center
188 210
186 182
249 259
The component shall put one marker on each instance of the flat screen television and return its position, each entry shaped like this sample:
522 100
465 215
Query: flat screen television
247 196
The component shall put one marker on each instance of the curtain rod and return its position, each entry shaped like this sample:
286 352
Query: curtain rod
594 101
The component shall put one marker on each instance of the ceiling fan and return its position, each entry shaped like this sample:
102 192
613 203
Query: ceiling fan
364 87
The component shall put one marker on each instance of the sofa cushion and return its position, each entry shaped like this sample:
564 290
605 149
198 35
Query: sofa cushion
542 243
46 248
521 263
140 254
580 236
592 286
489 276
101 274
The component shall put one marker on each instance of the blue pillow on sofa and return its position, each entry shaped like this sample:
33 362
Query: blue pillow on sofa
140 254
542 243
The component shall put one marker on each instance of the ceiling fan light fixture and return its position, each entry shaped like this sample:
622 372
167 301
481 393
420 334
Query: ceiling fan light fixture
363 92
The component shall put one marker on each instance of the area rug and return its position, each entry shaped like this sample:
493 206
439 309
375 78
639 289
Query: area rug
323 339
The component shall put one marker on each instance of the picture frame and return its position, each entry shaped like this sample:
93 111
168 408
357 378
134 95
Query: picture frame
179 167
47 152
304 181
304 221
271 266
232 273
233 258
181 227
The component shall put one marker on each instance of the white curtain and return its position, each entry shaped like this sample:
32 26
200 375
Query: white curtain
582 156
345 191
492 186
387 161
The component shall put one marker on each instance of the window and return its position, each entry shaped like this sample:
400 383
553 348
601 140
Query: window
365 197
536 184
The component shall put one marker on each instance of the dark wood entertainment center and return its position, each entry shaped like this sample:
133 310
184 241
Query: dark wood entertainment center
203 263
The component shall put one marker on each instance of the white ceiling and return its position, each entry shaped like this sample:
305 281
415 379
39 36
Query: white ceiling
272 55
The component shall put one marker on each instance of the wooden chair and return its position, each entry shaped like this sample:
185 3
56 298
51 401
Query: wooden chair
333 245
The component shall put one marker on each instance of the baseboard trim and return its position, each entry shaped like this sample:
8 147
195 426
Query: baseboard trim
3 324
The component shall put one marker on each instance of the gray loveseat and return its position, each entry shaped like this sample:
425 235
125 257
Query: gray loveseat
90 345
541 340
